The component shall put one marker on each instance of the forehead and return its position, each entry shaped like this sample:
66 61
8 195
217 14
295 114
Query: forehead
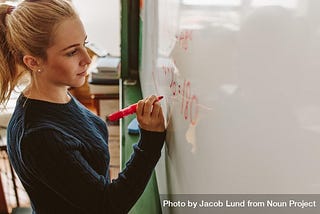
68 32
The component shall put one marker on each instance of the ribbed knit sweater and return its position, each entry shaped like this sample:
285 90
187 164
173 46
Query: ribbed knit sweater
60 153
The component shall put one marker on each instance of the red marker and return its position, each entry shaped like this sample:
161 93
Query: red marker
126 111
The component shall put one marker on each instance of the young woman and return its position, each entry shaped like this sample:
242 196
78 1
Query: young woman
58 148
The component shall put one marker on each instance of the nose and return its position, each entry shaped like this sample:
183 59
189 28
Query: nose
86 59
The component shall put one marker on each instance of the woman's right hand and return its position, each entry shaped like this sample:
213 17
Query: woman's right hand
150 115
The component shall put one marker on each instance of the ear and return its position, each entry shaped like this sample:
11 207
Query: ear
31 62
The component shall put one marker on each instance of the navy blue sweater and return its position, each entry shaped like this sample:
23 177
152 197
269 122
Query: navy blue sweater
60 153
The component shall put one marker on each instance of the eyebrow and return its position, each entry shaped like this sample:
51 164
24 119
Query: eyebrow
74 45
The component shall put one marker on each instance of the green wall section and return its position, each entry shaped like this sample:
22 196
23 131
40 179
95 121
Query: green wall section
124 39
129 39
149 202
140 41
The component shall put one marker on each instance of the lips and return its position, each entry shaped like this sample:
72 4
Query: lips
84 73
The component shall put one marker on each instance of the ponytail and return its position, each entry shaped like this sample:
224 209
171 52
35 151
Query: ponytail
8 71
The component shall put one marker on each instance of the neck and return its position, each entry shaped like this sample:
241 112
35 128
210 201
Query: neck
54 95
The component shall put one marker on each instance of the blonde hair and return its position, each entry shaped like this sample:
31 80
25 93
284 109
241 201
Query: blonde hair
27 29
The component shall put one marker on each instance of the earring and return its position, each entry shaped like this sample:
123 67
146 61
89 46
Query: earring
39 70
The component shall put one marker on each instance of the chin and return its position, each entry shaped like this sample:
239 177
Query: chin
78 83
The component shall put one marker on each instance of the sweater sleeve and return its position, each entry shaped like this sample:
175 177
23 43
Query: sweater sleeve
55 161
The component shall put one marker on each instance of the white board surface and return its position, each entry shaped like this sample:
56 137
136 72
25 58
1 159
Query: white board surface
241 81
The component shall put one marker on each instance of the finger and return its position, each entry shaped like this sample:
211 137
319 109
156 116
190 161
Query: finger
140 108
156 110
146 108
148 104
151 100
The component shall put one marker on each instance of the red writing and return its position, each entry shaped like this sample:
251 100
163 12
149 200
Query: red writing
183 39
189 108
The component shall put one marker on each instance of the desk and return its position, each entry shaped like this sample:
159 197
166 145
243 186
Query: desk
96 98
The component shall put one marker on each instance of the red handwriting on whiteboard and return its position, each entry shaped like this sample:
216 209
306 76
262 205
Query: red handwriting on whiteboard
189 103
183 39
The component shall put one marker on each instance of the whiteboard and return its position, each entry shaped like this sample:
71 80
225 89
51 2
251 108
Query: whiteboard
241 80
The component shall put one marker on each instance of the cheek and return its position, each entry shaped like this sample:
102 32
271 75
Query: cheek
63 69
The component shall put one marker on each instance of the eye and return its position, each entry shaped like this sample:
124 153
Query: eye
73 52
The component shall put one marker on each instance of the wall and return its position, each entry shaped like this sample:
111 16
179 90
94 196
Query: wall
102 23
